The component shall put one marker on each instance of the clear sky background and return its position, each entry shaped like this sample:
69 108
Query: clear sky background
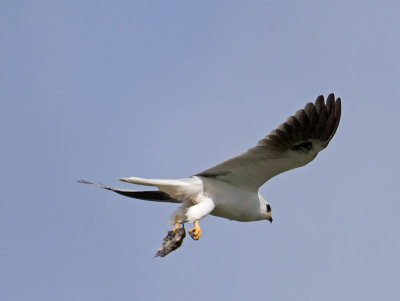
105 89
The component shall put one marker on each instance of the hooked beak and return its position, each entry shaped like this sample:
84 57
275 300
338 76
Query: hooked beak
270 219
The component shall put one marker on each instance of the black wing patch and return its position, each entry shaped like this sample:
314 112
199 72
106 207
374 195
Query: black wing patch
317 121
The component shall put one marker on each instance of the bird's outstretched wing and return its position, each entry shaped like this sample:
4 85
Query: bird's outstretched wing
294 143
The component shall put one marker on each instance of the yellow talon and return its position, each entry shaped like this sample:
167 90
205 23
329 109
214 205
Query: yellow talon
195 232
177 223
176 226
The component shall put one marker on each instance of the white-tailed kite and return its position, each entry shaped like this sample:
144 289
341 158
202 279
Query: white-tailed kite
230 189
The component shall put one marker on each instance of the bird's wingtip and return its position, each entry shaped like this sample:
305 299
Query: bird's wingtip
84 182
94 184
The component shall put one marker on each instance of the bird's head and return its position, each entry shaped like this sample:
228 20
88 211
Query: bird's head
265 209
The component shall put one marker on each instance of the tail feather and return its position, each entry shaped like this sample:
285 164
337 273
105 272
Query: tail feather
155 195
154 182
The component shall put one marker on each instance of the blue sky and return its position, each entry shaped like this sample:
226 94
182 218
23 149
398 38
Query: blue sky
106 89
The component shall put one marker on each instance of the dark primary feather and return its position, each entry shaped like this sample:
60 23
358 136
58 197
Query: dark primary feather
292 144
317 121
151 195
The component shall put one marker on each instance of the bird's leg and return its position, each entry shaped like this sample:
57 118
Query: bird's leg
177 223
177 226
202 207
196 231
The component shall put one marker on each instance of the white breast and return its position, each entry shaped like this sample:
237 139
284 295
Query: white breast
231 202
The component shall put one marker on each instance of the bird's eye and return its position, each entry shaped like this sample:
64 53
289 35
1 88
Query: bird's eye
268 208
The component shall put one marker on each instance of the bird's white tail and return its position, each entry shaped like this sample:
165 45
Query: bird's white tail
177 188
154 182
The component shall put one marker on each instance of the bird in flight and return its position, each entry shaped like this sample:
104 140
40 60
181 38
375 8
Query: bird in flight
231 189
